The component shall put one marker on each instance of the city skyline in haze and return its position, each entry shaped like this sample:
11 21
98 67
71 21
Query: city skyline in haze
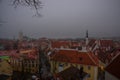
62 19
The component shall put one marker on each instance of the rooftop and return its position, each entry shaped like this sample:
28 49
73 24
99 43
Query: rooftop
74 56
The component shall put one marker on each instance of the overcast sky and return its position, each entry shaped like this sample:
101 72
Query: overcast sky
62 19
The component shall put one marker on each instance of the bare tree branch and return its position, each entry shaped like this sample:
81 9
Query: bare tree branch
36 4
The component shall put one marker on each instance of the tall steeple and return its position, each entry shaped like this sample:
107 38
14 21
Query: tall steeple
87 37
86 33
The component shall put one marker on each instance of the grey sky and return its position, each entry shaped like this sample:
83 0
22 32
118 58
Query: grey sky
62 19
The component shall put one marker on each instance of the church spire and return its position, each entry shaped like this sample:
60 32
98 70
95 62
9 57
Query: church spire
86 37
86 33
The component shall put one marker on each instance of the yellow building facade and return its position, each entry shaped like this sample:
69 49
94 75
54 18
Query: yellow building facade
23 61
30 66
6 68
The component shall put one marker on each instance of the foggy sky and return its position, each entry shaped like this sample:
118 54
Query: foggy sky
62 19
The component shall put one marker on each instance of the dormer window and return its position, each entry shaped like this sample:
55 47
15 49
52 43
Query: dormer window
80 58
89 67
66 64
61 65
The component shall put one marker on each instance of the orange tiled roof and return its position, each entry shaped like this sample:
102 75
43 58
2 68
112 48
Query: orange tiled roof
74 56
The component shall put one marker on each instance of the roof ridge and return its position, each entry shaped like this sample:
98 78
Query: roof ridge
91 58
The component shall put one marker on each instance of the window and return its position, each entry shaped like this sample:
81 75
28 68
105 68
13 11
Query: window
80 58
29 64
89 67
36 64
88 75
58 79
76 65
81 66
61 65
25 64
71 64
32 63
66 64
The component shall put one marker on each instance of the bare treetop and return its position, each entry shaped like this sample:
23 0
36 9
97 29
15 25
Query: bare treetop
36 4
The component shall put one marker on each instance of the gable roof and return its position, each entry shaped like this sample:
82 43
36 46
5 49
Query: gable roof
74 56
113 67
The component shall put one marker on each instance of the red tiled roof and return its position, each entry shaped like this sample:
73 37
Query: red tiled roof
106 43
28 53
32 56
59 44
101 55
74 56
14 55
91 42
5 53
114 67
75 44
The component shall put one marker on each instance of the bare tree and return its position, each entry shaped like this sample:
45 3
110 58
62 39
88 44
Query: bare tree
35 4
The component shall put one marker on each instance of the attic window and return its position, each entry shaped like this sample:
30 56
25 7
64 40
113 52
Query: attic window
89 67
61 65
80 58
66 64
89 75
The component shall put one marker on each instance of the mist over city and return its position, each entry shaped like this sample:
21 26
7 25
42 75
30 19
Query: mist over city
62 19
59 39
